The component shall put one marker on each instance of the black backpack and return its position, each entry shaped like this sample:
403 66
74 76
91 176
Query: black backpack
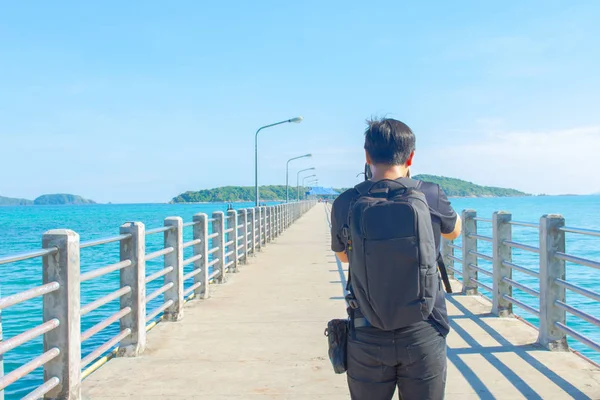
392 253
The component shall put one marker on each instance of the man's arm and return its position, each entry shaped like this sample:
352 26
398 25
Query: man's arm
337 244
456 232
342 256
451 223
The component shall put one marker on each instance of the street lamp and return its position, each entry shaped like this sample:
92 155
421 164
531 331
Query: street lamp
298 182
295 120
310 183
306 177
287 175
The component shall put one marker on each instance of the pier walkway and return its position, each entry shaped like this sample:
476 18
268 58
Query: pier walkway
260 335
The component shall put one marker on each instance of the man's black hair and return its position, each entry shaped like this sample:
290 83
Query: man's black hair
389 141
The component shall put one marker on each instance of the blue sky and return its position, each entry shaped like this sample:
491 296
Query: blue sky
139 101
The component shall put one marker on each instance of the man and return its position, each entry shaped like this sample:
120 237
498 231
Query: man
412 357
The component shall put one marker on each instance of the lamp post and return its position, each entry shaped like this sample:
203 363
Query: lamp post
296 120
298 182
287 175
316 181
305 178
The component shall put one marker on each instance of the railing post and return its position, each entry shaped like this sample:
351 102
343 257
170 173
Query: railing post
174 239
446 252
201 232
270 214
287 216
501 231
253 230
275 221
266 216
63 305
469 244
218 226
264 225
244 214
233 235
279 220
552 240
261 228
134 276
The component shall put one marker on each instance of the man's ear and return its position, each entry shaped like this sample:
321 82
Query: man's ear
367 158
410 159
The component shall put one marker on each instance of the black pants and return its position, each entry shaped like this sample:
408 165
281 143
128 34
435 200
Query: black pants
414 360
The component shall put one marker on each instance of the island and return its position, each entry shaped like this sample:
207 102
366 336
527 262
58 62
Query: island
9 201
61 199
235 194
458 188
46 199
452 187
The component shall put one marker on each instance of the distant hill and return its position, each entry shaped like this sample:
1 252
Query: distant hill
451 186
59 199
458 188
8 201
235 193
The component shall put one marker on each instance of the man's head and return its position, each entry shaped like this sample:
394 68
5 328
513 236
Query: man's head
389 142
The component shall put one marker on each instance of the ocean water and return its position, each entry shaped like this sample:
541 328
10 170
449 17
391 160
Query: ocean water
578 211
21 229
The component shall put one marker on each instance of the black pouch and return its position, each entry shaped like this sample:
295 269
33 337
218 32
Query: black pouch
337 335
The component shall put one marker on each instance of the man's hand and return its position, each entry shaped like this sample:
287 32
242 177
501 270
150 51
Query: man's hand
456 232
342 256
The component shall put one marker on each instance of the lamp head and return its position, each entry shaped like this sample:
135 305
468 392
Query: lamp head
296 120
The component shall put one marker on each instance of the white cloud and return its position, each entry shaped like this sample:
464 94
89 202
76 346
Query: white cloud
555 162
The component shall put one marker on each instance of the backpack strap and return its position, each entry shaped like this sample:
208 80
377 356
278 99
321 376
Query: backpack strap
361 189
444 273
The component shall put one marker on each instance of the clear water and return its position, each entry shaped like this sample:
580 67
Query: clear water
578 211
21 229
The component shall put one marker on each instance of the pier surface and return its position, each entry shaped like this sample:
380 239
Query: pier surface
260 335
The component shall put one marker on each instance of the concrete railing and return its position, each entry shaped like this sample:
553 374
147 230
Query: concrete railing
552 306
217 250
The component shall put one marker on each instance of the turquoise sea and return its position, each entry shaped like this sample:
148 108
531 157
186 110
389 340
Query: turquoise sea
21 229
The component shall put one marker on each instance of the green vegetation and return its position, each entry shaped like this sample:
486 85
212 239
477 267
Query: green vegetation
458 188
453 187
54 199
8 201
236 193
47 199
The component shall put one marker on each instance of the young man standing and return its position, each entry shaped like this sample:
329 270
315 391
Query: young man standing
389 229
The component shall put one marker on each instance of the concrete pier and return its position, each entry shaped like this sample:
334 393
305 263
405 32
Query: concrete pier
260 335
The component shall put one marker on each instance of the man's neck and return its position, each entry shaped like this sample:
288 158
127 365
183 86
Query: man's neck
389 172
